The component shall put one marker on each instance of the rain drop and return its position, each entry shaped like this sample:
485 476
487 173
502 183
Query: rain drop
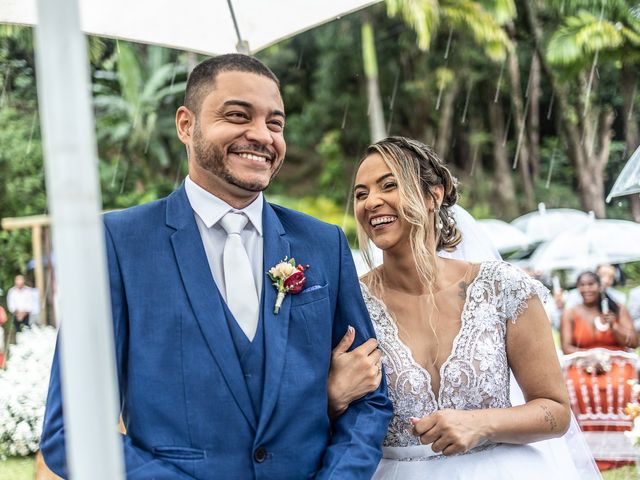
33 127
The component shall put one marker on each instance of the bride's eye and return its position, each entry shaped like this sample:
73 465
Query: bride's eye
390 185
360 195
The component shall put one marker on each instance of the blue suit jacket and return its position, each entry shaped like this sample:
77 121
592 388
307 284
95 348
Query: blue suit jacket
184 400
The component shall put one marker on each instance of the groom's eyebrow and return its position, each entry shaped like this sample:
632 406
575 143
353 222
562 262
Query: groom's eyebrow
244 104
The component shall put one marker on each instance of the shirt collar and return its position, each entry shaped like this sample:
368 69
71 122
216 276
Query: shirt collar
211 209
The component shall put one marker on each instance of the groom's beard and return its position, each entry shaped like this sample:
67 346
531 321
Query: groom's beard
211 158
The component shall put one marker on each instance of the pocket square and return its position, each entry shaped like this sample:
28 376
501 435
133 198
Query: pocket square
311 289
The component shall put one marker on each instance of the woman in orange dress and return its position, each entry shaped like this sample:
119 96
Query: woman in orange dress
599 322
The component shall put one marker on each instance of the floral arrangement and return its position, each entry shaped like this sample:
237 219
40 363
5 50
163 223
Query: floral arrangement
633 410
287 278
23 391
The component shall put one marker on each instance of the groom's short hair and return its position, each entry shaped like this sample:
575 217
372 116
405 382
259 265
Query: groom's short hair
203 77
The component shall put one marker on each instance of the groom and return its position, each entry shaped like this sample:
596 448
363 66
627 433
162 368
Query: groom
213 383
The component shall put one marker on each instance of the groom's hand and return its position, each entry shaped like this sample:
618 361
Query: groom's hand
352 374
450 431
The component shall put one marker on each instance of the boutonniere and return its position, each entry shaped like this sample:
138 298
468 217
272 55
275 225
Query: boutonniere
287 278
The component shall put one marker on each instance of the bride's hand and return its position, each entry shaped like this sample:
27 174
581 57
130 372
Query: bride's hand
451 431
352 374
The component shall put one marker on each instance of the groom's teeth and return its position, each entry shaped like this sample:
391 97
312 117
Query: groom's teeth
380 220
250 156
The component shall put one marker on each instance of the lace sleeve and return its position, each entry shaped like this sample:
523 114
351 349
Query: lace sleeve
517 289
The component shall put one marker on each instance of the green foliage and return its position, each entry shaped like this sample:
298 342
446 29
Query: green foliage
322 208
137 91
22 189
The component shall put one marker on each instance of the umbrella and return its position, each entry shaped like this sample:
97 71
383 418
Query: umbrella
586 246
504 236
205 26
628 181
544 224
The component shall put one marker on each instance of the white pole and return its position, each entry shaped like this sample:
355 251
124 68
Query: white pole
94 449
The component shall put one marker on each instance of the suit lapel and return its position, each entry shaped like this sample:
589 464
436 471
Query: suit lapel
276 327
204 297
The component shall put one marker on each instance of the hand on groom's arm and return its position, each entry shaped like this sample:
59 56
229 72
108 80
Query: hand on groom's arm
356 444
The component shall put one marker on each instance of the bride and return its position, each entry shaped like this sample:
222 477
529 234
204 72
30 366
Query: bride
449 331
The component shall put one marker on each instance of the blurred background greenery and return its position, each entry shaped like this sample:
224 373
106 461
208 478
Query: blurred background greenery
550 86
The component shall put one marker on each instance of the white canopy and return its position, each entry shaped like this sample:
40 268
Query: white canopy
543 224
586 246
204 26
628 182
505 236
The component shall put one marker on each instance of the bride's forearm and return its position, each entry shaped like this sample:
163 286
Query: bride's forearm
536 420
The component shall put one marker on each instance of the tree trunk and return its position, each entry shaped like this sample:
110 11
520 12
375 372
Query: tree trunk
588 143
377 128
533 93
628 81
445 128
522 155
506 206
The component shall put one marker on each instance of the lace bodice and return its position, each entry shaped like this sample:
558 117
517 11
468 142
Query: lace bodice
476 373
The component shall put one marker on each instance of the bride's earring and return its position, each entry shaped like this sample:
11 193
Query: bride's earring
439 224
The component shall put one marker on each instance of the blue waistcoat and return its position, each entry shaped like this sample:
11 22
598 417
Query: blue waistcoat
251 356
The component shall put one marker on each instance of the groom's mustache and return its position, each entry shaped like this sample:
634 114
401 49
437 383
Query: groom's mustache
253 148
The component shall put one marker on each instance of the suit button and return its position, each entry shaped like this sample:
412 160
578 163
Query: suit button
260 455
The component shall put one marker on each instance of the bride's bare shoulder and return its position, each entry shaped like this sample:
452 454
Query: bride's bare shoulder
368 278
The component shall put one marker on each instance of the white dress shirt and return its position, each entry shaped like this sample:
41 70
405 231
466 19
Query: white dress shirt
21 300
208 211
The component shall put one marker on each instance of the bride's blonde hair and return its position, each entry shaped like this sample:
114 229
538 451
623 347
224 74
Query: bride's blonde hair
417 169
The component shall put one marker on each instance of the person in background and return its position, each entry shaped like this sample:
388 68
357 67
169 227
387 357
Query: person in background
599 322
608 278
20 303
564 300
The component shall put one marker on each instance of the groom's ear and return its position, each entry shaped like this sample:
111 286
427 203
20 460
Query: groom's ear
185 123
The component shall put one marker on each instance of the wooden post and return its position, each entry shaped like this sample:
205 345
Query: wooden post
36 244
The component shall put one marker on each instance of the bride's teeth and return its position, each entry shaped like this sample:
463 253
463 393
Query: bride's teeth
380 220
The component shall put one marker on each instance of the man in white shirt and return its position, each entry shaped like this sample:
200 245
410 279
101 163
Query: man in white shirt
20 303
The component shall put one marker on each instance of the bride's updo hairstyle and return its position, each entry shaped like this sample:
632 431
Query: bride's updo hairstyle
417 169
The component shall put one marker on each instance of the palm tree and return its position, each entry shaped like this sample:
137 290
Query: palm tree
133 104
592 32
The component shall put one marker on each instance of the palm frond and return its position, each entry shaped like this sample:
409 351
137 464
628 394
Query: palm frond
129 73
580 37
466 15
423 16
503 11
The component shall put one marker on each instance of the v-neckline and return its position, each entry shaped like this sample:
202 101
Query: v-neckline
409 352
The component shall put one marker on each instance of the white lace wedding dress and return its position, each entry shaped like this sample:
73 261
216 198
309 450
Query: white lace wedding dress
476 375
